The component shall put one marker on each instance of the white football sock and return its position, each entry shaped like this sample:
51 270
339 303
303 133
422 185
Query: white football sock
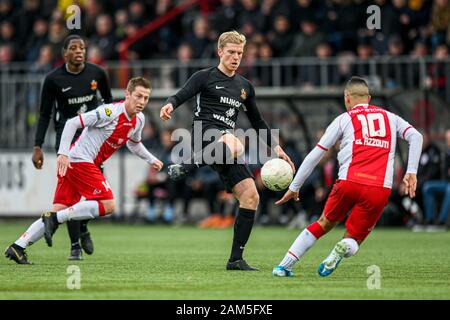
303 242
352 246
80 211
33 234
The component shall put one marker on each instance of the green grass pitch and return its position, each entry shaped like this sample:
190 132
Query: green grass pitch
142 262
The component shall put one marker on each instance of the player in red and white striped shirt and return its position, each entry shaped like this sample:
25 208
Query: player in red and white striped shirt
106 129
366 165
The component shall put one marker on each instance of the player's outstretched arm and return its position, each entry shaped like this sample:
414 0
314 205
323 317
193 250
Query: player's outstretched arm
415 140
47 98
69 131
192 86
141 151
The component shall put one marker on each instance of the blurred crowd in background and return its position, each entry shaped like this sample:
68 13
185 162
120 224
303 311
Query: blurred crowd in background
274 28
32 31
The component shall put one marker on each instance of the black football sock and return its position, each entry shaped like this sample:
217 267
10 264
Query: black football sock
242 228
83 226
74 233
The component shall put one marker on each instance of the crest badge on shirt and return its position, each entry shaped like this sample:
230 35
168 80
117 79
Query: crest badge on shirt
130 133
93 85
243 94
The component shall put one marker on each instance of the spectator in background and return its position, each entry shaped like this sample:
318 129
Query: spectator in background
104 37
437 72
36 40
95 55
343 18
440 21
137 13
120 21
6 55
25 18
264 71
169 34
281 37
306 42
184 70
226 17
251 14
396 19
205 183
7 35
6 10
90 11
312 75
301 10
270 9
44 63
418 54
248 69
365 52
429 169
199 39
160 187
433 187
56 34
346 65
138 49
397 68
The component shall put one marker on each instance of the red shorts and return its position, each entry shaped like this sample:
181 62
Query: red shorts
365 202
84 179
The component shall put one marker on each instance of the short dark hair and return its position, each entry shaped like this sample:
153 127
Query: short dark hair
357 81
70 38
138 81
357 86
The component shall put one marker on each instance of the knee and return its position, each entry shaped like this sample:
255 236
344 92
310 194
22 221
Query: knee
109 206
250 199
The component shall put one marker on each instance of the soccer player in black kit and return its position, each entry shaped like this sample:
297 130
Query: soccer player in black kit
221 92
73 86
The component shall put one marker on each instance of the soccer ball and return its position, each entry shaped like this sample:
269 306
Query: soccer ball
277 174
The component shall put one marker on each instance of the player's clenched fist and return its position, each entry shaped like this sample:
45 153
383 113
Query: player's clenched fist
166 111
157 165
37 158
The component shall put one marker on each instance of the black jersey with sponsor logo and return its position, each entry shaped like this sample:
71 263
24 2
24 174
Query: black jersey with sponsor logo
70 94
219 98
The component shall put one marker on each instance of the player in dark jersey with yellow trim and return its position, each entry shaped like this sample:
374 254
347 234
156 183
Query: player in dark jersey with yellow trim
67 91
221 93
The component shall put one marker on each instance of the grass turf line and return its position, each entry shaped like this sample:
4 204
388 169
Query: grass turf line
142 262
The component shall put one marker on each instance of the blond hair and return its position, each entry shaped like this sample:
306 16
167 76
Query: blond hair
231 37
138 81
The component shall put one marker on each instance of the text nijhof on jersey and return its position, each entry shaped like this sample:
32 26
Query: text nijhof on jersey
83 99
230 101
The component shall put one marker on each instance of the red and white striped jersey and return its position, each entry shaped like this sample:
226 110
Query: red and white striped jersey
106 129
369 136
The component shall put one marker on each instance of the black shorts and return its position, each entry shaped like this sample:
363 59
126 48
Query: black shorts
230 174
